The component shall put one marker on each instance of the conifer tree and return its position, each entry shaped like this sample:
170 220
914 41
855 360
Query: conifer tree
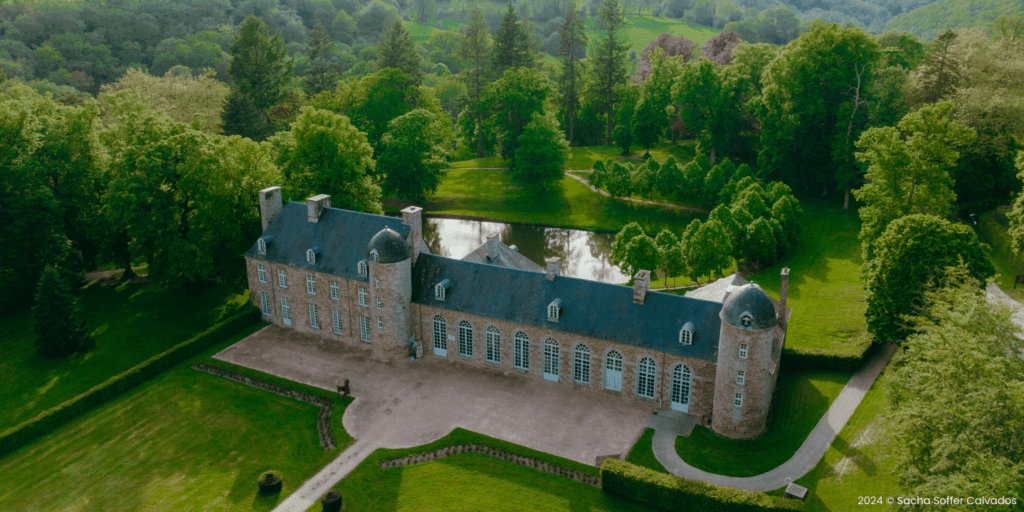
610 67
259 71
572 38
60 331
322 74
397 50
511 44
475 49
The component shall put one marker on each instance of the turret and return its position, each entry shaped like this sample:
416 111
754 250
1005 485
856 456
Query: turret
390 285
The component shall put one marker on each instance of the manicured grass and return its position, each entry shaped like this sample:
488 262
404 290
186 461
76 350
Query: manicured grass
566 203
825 289
184 441
992 232
487 161
131 323
470 482
584 157
802 398
857 464
642 453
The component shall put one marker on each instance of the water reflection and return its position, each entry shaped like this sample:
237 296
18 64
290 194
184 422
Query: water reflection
584 254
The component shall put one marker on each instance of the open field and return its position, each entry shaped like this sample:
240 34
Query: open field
802 398
185 440
130 322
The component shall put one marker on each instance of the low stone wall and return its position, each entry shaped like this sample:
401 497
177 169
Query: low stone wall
323 419
529 462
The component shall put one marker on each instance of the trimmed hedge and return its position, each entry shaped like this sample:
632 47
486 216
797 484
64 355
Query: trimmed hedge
659 490
52 418
794 359
270 482
331 501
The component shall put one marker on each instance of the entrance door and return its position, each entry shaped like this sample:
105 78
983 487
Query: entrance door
286 311
613 371
551 360
440 337
681 389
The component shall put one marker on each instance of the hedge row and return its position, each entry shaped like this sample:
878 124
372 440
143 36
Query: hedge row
52 418
666 491
818 359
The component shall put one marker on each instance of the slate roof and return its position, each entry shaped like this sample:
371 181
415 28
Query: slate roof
750 298
390 247
589 308
717 290
341 235
506 257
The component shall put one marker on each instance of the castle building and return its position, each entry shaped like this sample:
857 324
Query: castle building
370 280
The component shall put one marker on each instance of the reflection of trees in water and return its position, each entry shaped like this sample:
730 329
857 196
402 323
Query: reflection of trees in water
432 236
557 244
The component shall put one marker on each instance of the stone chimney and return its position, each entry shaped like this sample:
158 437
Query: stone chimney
270 204
492 247
554 267
315 206
783 291
412 216
641 285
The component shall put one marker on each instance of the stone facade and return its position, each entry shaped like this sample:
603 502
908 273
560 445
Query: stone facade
750 419
390 301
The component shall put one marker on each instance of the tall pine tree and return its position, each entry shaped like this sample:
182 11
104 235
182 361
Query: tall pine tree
611 68
322 74
259 71
475 49
511 44
572 39
60 331
397 50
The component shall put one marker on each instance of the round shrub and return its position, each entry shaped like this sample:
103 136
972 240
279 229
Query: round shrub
331 501
270 482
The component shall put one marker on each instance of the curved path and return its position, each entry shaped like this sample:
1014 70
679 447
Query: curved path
805 458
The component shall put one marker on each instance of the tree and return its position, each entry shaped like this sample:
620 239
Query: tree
940 73
610 69
324 154
397 50
707 96
760 245
672 260
512 100
60 332
424 9
242 117
641 254
911 252
413 160
543 151
322 74
622 241
572 41
181 97
908 169
511 44
259 70
475 50
1017 214
644 178
707 248
961 353
620 182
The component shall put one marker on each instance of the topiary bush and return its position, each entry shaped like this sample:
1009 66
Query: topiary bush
270 482
331 501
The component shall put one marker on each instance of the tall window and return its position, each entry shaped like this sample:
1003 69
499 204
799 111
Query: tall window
440 333
286 310
613 371
465 339
551 353
521 351
738 400
553 311
314 320
740 377
310 285
362 268
362 296
376 282
743 350
261 272
364 329
310 256
261 244
581 364
439 291
336 317
265 303
493 344
380 323
379 303
685 336
374 256
645 378
681 385
282 278
334 290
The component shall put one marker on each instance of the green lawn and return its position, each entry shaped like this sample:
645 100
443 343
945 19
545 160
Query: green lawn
825 289
857 463
470 482
566 203
185 440
130 322
584 157
642 453
802 398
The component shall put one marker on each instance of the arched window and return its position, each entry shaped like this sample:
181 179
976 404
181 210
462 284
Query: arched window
581 364
440 334
551 353
261 245
310 256
362 268
613 371
374 256
521 351
746 319
645 378
493 344
439 292
465 339
686 334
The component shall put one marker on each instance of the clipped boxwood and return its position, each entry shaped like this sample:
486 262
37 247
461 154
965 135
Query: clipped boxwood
331 501
54 417
818 359
659 490
270 482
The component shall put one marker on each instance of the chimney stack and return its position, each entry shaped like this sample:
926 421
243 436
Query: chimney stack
270 204
554 267
492 247
412 216
783 291
641 285
315 206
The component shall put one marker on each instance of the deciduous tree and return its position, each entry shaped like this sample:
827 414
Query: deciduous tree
543 151
413 159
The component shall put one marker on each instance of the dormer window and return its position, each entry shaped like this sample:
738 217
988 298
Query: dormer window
746 319
441 289
554 310
686 334
374 256
311 255
362 268
261 245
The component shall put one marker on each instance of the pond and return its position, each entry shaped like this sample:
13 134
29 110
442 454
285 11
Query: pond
584 253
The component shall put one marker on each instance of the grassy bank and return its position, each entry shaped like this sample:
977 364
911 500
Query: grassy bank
130 322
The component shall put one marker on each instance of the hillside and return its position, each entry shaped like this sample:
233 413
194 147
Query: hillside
933 19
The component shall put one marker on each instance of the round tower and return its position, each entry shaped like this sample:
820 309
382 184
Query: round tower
390 297
743 382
